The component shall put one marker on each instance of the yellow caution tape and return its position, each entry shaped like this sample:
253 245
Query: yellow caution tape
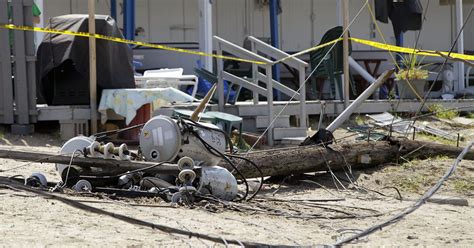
308 50
398 49
374 44
120 40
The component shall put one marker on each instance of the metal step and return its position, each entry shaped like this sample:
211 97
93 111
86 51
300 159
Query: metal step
288 132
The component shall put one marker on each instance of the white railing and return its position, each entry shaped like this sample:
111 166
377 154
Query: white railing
260 47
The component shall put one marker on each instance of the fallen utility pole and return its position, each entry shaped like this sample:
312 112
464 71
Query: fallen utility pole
302 159
275 162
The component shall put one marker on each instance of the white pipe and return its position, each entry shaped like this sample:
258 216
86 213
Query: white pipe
459 23
357 102
205 32
39 35
358 68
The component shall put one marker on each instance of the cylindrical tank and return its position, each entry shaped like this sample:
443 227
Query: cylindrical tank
161 139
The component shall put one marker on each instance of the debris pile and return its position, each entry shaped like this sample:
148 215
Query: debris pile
177 160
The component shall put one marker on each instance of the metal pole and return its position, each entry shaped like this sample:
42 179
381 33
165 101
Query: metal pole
357 102
271 112
205 32
303 115
92 68
129 19
459 23
275 40
113 9
345 9
220 79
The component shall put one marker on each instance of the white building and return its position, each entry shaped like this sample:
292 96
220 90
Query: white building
302 22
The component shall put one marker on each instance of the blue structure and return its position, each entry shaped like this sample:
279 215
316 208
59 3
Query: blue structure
399 42
113 9
129 19
275 41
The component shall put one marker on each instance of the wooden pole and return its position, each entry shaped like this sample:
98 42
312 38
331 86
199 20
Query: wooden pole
108 166
92 68
345 11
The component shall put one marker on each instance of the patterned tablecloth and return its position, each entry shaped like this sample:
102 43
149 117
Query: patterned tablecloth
126 102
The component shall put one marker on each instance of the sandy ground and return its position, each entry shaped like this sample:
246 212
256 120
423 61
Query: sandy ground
273 218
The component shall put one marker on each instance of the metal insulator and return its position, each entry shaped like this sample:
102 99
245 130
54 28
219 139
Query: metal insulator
185 163
187 176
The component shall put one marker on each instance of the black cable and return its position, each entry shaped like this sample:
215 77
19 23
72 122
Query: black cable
116 131
259 171
128 219
126 173
212 150
199 125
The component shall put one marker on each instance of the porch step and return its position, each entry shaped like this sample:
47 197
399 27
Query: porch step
288 132
262 122
292 141
259 123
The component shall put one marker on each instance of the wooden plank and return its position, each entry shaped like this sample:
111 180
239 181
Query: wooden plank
21 84
61 113
6 86
30 61
92 67
336 106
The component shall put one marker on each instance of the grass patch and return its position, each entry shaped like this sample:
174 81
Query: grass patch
414 183
359 120
435 139
439 111
464 185
470 115
2 132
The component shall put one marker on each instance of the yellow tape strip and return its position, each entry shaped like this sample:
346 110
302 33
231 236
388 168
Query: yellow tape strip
410 50
374 44
120 40
308 50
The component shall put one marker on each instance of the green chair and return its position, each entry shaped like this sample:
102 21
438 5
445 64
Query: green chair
227 121
332 64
